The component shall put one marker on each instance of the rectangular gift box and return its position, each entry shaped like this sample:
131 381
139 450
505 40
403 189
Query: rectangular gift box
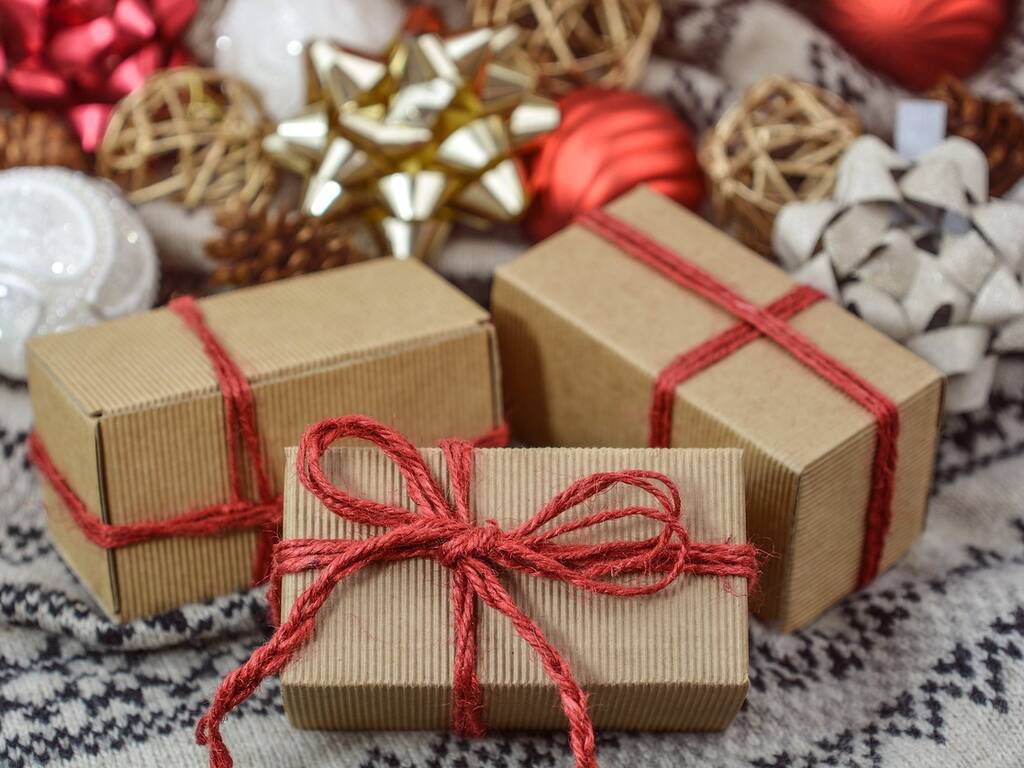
585 330
131 413
381 653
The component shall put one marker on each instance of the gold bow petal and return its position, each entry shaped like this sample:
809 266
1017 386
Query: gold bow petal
425 58
299 141
413 239
474 146
340 75
497 195
471 49
343 164
422 103
534 117
413 196
389 139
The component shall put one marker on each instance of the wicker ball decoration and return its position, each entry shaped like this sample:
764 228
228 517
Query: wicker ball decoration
189 135
573 43
779 144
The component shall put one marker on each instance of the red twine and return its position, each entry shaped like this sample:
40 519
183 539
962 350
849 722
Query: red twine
442 530
239 428
771 323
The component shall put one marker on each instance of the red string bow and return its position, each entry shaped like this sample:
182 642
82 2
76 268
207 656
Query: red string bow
441 529
84 55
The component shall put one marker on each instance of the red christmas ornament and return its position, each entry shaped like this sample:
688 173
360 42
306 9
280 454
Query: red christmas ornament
608 142
916 42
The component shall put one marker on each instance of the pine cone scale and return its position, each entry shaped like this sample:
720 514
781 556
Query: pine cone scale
260 246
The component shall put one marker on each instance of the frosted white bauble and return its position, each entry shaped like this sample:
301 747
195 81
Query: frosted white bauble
261 41
72 252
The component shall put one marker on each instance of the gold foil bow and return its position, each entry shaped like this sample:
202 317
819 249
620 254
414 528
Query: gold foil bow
417 139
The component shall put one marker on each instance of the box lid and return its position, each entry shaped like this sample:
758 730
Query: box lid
772 399
274 330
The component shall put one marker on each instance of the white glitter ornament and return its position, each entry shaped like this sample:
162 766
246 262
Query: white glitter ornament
72 252
261 41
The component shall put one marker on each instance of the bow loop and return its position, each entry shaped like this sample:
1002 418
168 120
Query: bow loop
423 490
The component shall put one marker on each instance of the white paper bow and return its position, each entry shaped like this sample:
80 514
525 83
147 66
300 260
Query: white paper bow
920 252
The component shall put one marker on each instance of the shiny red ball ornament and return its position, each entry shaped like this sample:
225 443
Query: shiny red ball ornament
916 42
610 141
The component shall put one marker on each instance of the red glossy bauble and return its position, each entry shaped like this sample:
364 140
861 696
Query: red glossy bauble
916 42
610 141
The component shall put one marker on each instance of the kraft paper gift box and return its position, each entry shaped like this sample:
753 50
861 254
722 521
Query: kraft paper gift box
132 416
585 330
381 653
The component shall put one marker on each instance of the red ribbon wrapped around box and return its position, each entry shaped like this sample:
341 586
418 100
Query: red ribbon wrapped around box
81 56
441 529
771 323
240 427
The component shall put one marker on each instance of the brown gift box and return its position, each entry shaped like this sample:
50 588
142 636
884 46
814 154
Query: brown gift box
131 413
381 654
585 330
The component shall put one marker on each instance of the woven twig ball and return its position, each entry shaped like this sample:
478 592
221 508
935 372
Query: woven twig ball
190 135
779 144
573 43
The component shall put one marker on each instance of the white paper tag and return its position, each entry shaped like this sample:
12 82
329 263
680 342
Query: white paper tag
920 127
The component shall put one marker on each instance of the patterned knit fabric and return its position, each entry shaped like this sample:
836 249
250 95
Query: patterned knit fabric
924 668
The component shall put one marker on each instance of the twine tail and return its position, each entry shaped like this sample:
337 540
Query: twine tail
582 740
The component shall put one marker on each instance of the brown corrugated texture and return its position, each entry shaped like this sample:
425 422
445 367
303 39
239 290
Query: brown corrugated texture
387 339
79 461
585 330
381 656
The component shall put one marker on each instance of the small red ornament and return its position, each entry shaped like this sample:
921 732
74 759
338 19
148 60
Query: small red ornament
610 141
916 42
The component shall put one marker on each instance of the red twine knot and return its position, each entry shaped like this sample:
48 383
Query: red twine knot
470 541
441 528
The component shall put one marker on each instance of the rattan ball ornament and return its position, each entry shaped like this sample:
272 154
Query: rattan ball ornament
574 43
779 144
192 136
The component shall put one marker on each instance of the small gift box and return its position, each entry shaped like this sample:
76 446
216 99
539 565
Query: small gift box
160 436
643 325
504 588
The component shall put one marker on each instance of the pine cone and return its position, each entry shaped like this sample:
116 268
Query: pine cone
259 246
995 126
38 138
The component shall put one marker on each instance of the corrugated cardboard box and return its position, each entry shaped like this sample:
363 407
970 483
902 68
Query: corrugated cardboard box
131 412
585 330
381 654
